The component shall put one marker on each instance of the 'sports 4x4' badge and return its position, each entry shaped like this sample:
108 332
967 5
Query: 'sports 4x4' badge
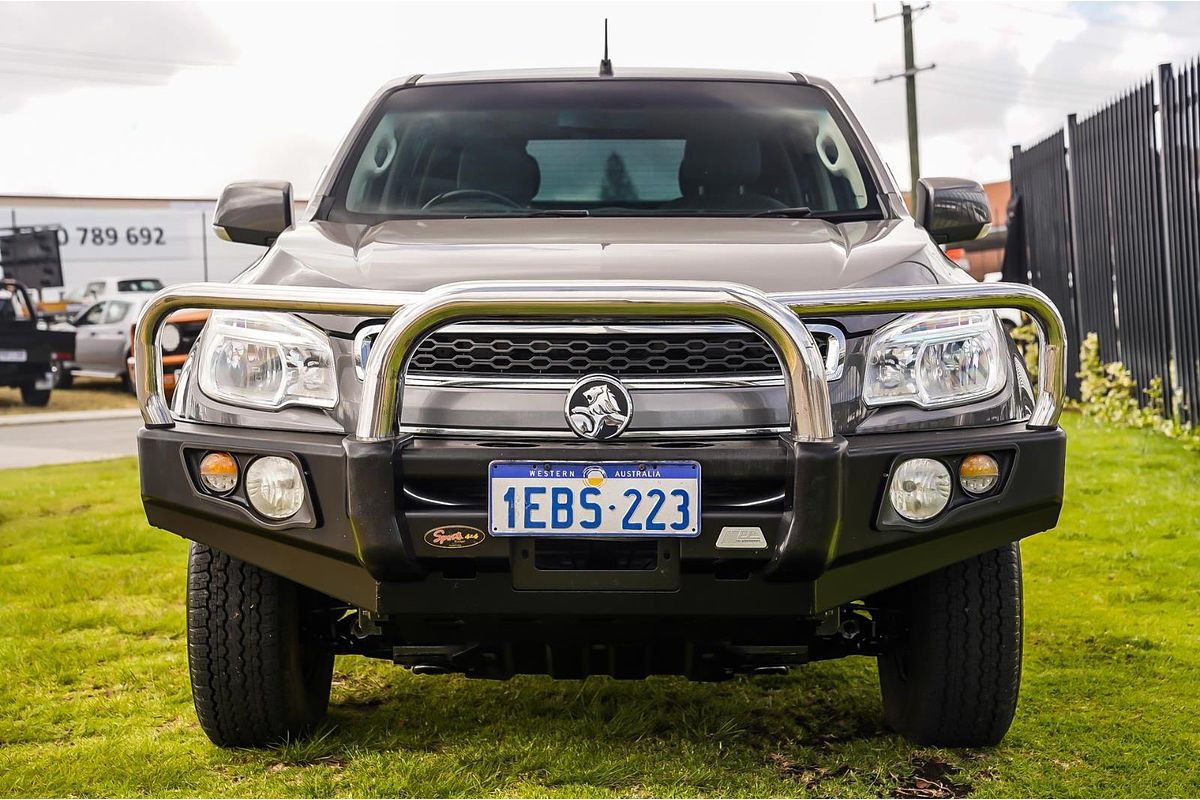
454 537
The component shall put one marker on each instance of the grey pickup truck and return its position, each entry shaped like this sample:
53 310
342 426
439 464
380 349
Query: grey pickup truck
572 374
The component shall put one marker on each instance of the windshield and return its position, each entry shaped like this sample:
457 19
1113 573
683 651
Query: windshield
139 285
611 148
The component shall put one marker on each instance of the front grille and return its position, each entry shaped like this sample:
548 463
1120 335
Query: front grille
620 354
573 350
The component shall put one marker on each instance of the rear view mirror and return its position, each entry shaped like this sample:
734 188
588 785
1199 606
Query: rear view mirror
254 212
952 209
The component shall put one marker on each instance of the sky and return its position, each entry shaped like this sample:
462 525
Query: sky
178 99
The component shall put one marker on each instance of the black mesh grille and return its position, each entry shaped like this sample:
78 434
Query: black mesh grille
570 354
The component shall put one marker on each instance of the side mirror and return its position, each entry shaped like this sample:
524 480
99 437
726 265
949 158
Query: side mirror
952 209
254 212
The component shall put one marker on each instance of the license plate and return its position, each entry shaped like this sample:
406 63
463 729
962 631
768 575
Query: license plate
581 498
12 356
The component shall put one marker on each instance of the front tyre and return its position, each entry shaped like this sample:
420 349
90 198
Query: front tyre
260 671
953 675
39 398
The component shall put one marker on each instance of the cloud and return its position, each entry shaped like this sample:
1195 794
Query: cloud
1010 73
51 48
185 98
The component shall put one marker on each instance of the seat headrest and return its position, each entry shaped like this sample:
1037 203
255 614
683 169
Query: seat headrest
719 165
501 167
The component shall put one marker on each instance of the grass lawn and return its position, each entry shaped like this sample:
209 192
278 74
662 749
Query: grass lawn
94 696
87 394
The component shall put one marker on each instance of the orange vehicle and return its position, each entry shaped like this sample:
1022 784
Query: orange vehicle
178 335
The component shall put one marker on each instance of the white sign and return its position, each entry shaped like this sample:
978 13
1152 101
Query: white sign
174 243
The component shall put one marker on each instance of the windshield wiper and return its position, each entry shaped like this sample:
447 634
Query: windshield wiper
796 212
559 212
545 212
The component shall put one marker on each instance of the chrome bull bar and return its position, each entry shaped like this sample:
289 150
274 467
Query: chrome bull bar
774 316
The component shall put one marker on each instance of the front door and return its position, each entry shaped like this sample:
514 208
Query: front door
87 346
111 338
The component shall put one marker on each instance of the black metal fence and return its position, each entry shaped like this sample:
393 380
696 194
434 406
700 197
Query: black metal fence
1039 176
1111 208
1181 184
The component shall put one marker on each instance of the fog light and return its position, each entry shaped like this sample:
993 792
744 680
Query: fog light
219 472
920 488
978 473
274 487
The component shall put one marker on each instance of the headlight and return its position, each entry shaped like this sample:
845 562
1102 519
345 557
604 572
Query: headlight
266 360
936 359
169 338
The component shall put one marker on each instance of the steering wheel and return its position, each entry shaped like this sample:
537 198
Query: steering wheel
477 194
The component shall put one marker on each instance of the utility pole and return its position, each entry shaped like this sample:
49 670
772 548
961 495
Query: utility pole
910 89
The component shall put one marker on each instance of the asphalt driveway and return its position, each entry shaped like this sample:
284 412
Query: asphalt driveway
37 439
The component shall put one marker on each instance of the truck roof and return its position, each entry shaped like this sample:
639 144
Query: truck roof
593 73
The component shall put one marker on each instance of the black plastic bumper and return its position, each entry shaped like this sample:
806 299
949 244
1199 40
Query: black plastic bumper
831 538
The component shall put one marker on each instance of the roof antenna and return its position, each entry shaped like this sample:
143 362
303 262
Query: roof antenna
605 64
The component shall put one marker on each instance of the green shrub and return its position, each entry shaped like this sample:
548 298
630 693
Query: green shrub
1108 392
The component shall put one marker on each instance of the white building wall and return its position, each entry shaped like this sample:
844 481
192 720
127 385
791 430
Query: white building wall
172 240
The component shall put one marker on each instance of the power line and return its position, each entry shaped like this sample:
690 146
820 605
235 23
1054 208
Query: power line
1017 87
133 61
1010 89
957 91
79 65
126 79
975 93
1081 97
1008 76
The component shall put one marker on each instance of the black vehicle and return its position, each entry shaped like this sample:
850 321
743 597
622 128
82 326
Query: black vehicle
29 352
582 374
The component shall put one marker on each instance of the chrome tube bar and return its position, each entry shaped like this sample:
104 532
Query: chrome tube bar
1052 339
775 317
803 366
236 297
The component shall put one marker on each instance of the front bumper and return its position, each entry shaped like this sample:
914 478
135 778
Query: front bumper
828 539
817 497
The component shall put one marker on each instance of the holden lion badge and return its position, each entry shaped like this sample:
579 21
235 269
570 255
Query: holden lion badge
598 407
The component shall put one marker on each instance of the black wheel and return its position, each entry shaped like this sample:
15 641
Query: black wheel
35 397
63 377
952 678
260 670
